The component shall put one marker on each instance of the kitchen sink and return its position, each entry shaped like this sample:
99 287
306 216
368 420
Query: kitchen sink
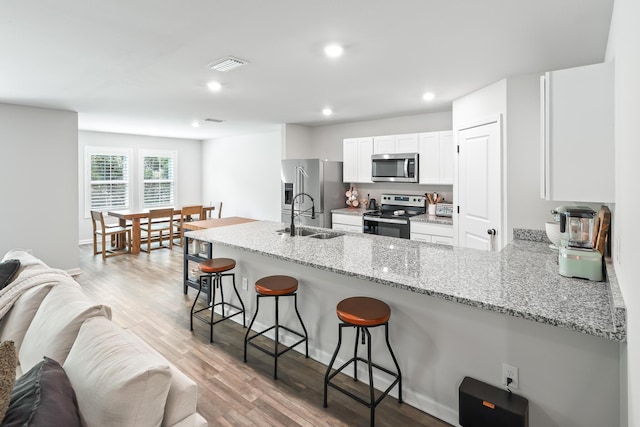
325 235
307 232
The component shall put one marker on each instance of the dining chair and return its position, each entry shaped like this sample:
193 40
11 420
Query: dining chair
120 237
188 214
159 221
217 211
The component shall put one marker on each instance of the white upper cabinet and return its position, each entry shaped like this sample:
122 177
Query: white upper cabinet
577 131
356 159
406 143
436 157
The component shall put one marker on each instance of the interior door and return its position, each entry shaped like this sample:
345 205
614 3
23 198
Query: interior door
479 185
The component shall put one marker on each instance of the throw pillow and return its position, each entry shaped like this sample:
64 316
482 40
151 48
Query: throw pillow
42 395
8 361
119 381
8 271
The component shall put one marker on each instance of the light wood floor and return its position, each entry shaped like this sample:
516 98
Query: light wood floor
145 293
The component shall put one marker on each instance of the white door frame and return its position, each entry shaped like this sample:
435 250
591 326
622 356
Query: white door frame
501 236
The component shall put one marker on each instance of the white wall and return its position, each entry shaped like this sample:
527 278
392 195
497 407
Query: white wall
39 183
244 173
326 141
188 169
623 50
297 142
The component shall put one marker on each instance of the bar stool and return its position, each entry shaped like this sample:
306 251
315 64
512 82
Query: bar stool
276 286
363 313
213 271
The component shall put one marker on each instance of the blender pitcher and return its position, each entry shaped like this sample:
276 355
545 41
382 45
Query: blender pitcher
576 226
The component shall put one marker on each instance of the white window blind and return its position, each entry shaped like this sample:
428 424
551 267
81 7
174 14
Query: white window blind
158 179
109 181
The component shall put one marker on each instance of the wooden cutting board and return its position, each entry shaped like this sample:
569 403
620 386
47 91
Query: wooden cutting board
601 229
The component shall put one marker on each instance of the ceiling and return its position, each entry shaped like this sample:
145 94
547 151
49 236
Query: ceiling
141 66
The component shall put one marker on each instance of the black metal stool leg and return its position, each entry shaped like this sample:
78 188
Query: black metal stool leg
193 306
244 319
306 336
372 396
386 336
275 351
246 336
355 354
333 359
213 284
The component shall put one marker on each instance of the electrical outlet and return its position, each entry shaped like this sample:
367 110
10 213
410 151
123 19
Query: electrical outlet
245 283
509 371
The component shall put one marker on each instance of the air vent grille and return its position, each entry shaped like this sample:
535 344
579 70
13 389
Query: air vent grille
227 64
213 120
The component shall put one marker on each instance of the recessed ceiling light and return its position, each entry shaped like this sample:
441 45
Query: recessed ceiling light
195 124
214 86
428 96
333 50
327 111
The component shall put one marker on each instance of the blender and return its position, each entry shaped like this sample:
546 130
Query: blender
576 255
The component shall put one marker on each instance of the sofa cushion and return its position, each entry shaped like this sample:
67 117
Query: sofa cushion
43 397
56 323
15 323
8 271
118 380
8 362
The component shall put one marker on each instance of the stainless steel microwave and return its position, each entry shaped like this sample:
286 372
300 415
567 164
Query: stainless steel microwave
397 167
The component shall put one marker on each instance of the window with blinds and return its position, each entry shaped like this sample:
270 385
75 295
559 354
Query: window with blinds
158 186
109 181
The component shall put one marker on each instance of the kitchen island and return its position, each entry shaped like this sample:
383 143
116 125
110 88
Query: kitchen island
455 312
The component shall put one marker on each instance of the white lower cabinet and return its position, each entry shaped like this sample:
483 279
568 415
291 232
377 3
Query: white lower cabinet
441 234
351 223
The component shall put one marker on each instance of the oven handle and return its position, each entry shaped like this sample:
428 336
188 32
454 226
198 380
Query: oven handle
386 220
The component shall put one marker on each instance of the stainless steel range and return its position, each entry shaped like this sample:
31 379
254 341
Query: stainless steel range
393 217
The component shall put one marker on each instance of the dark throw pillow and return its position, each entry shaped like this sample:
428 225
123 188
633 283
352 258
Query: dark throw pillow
8 361
8 271
43 397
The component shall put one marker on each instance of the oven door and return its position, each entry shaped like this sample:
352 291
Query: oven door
392 227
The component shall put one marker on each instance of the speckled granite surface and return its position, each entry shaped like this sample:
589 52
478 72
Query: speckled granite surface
432 219
522 280
351 211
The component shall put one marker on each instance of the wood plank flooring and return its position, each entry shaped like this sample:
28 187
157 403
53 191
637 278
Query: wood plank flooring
145 293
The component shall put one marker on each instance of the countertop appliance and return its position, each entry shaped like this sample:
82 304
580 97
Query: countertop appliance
444 209
393 217
576 256
397 167
320 179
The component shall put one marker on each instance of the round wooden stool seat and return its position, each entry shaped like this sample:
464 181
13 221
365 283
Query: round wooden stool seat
276 285
363 311
217 265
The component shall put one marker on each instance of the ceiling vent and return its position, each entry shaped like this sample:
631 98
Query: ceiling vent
227 64
213 120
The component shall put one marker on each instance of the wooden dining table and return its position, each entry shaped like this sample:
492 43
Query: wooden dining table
135 216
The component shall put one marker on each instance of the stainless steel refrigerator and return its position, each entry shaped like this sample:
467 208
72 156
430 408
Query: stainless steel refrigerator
322 180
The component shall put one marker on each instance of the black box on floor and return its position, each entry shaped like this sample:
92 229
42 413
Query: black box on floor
483 405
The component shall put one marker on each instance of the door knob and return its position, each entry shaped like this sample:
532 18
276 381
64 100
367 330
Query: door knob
491 232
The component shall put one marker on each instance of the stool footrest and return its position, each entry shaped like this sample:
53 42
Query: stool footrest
358 398
223 317
271 352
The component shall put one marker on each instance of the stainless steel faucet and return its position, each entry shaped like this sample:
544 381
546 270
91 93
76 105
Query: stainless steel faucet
293 208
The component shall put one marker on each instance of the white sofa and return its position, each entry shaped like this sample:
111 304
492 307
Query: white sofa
118 379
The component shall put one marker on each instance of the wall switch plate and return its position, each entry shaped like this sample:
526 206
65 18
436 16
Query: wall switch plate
509 371
245 284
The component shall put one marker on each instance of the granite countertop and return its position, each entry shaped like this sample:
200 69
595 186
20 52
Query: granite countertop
432 219
522 280
352 211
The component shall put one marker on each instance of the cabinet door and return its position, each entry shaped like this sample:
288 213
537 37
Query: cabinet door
419 237
429 158
578 134
350 160
365 150
441 240
384 144
407 143
446 157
